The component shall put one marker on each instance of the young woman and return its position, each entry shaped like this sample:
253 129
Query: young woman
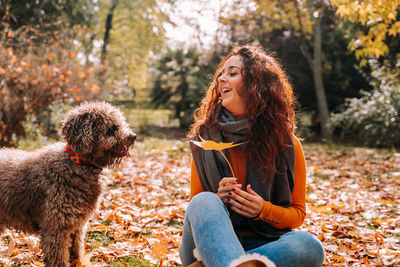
247 220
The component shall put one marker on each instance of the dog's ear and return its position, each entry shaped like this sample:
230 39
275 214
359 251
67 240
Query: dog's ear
77 131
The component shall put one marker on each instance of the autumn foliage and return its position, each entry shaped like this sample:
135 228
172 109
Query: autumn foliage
352 207
38 69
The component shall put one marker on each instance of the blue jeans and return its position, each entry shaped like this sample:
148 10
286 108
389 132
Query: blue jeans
208 228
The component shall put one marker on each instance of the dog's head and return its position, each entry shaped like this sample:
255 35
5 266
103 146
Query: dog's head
98 133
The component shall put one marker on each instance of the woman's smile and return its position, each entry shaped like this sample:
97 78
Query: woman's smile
230 84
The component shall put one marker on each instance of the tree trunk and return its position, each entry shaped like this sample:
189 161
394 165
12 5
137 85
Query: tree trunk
315 64
318 81
106 41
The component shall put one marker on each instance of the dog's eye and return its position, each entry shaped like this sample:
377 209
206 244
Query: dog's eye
112 130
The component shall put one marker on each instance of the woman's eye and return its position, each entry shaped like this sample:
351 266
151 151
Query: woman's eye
233 74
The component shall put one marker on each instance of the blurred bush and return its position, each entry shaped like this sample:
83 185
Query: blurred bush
372 120
179 83
38 69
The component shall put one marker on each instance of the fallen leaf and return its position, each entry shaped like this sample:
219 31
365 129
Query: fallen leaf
158 250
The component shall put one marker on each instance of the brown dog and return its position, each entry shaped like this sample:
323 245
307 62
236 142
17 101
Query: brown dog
53 191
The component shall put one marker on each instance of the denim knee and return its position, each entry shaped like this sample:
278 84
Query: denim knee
204 200
312 251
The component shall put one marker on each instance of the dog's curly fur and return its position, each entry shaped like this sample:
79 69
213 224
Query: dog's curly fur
43 192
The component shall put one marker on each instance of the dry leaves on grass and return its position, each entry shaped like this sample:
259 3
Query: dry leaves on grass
352 206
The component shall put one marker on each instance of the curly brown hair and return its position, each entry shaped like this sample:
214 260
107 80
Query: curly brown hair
270 111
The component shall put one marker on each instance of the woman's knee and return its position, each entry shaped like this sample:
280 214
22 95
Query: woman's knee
312 249
205 202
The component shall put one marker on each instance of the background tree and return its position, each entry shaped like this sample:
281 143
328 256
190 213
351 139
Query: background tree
380 21
374 119
302 20
33 75
180 82
39 13
130 33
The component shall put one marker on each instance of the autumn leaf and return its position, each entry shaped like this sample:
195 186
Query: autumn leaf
37 263
10 34
12 249
83 261
211 145
159 250
217 146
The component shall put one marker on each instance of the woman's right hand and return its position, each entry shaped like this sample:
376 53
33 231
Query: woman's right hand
226 186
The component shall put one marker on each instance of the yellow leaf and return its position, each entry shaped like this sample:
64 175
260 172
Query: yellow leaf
212 145
37 263
159 250
84 261
321 209
366 261
12 250
363 63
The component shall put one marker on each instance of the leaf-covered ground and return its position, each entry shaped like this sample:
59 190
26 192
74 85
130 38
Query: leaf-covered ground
353 206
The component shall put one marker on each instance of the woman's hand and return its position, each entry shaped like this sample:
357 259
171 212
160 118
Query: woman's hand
226 187
247 203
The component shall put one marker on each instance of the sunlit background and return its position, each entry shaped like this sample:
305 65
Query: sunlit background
155 59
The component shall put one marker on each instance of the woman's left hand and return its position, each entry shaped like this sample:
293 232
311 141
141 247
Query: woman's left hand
247 203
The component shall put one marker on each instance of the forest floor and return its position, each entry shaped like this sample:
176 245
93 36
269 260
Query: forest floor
353 207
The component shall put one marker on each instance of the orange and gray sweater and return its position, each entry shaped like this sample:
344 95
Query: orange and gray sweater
279 217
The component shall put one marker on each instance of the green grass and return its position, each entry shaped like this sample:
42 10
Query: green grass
106 222
96 238
322 176
140 118
175 223
157 146
147 122
131 261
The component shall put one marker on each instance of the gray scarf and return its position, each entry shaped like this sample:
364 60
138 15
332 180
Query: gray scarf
212 167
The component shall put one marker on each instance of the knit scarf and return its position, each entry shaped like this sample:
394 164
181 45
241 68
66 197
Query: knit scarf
212 167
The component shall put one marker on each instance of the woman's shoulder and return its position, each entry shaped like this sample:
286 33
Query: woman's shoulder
296 140
296 143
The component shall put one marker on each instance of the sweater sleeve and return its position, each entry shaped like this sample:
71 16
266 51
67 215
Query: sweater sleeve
294 215
195 184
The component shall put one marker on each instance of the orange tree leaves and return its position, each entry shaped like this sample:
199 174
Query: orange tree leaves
36 70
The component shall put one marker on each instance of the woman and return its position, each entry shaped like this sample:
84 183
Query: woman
246 220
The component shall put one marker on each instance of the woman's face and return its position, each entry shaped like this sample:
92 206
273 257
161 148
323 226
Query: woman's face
229 83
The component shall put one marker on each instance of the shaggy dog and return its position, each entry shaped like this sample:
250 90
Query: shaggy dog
53 191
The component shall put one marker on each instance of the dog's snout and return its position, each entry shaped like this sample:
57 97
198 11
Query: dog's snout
132 138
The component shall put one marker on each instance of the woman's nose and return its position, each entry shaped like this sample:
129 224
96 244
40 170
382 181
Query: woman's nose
221 78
